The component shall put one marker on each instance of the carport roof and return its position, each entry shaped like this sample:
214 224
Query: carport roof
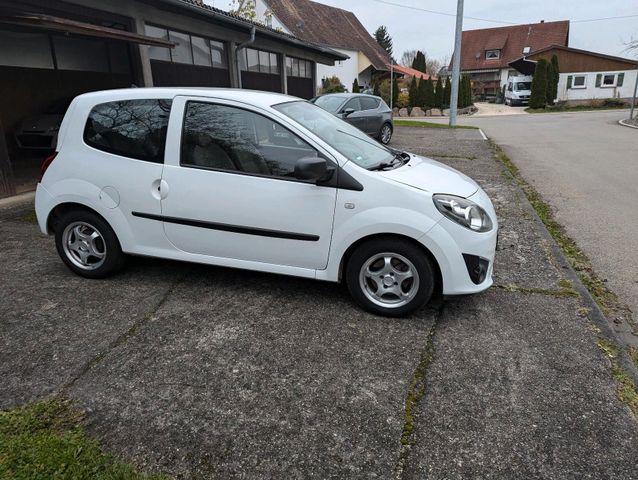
200 8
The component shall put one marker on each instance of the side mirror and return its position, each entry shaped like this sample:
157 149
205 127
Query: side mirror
311 168
348 111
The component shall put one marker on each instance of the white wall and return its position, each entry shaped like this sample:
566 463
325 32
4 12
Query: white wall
260 10
346 70
591 92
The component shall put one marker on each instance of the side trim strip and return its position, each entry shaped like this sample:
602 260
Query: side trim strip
262 232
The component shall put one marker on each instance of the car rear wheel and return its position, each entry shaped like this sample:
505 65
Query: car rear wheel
385 134
88 245
390 277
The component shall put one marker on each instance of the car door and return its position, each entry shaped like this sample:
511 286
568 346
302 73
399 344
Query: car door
356 118
374 118
232 192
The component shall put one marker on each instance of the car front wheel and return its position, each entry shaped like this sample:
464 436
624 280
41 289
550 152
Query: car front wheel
385 134
87 244
390 276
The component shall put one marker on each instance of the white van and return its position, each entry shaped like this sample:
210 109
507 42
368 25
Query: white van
518 90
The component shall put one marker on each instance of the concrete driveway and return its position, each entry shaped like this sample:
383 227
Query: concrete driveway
209 373
586 166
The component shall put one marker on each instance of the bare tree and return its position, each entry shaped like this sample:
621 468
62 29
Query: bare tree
432 65
408 57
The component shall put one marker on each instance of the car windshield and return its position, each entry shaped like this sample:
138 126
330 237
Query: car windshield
329 102
523 85
346 139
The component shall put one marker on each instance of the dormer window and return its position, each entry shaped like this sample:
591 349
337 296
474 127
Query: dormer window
492 54
526 50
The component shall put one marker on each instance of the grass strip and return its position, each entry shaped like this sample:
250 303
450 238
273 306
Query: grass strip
45 440
420 124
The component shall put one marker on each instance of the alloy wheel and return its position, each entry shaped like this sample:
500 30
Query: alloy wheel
389 280
84 245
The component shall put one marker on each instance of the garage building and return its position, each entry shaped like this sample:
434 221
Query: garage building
51 51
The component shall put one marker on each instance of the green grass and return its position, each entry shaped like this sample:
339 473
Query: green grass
626 389
417 123
574 108
45 440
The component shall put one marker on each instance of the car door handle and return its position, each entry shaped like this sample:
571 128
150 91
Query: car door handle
163 189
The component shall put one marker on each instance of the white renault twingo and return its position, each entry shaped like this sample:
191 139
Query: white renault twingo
265 182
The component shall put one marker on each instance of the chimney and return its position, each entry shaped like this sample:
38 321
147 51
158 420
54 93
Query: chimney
542 21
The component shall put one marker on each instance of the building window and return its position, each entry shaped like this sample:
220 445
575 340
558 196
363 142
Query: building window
259 61
492 54
526 50
579 81
296 67
189 49
609 80
22 49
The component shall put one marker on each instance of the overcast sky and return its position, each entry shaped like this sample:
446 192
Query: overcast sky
412 29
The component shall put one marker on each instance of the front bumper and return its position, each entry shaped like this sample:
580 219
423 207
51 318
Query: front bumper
465 257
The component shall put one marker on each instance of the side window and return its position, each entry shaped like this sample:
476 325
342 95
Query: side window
130 128
221 137
369 103
354 104
509 87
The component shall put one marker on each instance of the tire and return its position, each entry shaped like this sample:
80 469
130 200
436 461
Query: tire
368 274
88 245
385 133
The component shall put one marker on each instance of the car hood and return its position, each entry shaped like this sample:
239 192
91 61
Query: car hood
432 176
43 122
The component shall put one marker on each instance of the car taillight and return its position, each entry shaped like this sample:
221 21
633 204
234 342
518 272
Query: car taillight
45 164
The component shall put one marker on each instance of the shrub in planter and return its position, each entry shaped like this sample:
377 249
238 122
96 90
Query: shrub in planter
404 100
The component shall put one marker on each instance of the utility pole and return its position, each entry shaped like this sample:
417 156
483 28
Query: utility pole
633 99
456 63
392 84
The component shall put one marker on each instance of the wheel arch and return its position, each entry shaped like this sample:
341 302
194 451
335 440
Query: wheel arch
63 208
345 258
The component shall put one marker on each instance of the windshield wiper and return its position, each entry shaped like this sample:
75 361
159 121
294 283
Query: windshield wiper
399 159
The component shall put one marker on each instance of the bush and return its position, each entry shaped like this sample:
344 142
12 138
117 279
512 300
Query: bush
332 85
395 91
355 86
403 101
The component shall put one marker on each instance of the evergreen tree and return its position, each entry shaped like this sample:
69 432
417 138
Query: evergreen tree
421 93
419 61
469 91
461 94
539 85
383 38
413 93
549 99
395 92
429 93
355 86
447 93
332 85
376 90
556 70
438 94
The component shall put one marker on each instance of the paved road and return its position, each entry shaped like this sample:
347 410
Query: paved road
586 166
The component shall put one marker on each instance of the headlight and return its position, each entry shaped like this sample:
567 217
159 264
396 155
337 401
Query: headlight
463 212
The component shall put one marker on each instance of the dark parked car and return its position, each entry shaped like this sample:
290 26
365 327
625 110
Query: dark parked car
40 132
366 112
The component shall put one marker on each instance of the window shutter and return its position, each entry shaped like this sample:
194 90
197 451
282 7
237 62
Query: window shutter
599 79
569 82
621 77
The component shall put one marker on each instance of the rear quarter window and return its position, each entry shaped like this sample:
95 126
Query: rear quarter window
130 128
368 103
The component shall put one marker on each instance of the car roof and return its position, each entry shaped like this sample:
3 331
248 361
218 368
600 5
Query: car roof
253 97
348 95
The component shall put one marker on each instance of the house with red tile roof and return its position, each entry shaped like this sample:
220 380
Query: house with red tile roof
331 27
486 53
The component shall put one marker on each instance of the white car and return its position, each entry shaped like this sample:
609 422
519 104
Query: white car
260 181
